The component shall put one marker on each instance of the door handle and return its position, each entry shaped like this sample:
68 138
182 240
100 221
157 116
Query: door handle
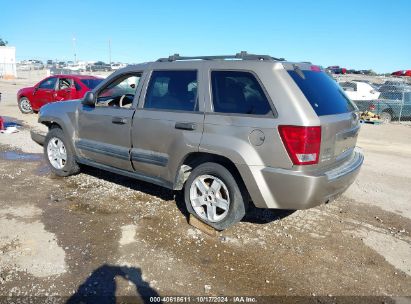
119 120
189 126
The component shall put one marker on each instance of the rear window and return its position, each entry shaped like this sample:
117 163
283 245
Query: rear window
91 83
398 96
324 94
391 95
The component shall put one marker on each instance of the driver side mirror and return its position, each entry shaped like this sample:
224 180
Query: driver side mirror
89 99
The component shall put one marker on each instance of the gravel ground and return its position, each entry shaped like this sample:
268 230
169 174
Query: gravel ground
101 234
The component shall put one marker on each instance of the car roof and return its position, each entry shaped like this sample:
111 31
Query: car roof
243 55
239 57
77 76
242 59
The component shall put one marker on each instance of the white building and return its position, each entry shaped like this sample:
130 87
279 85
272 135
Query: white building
8 62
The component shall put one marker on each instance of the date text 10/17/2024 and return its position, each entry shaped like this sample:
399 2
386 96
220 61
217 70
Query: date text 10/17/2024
203 299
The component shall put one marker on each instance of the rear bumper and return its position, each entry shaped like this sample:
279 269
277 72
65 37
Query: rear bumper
287 189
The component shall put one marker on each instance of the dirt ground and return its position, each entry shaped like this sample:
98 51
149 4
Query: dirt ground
102 234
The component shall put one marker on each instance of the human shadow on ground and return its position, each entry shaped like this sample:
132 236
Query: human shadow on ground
100 286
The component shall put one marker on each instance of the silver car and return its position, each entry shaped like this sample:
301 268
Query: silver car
228 131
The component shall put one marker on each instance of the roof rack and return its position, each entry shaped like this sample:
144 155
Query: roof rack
242 55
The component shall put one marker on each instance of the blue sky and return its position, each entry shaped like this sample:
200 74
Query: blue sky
360 34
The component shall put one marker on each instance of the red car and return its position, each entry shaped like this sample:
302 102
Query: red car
402 73
55 88
335 69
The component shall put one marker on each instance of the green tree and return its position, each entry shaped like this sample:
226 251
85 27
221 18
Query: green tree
3 42
371 72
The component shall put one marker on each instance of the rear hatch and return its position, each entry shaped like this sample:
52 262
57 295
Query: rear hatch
339 117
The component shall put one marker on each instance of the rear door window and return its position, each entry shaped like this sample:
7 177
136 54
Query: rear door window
91 83
238 92
324 94
65 83
77 85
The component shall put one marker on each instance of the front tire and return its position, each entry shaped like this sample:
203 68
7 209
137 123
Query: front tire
386 117
212 195
59 153
25 106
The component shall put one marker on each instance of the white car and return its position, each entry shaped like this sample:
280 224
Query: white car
79 66
117 66
357 90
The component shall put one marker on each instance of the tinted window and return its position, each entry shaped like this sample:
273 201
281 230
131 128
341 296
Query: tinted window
172 90
91 83
324 94
348 86
78 86
391 95
238 92
48 83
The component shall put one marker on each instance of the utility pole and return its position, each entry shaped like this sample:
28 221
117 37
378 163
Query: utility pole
74 49
109 51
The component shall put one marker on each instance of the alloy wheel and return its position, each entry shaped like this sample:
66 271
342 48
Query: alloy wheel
210 198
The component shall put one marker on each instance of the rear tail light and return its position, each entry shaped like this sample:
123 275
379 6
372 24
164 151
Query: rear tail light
302 143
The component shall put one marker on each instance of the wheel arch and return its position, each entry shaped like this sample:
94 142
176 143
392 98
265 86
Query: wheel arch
388 110
54 122
195 159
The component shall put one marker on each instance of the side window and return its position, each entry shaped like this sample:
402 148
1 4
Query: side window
238 92
78 86
348 86
119 93
65 83
172 90
49 84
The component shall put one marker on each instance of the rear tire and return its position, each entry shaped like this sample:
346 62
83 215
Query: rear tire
25 106
60 154
386 117
212 195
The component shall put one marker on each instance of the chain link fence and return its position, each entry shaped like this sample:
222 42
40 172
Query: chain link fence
383 99
85 71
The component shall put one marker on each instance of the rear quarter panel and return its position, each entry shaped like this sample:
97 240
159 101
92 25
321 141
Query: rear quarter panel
232 135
